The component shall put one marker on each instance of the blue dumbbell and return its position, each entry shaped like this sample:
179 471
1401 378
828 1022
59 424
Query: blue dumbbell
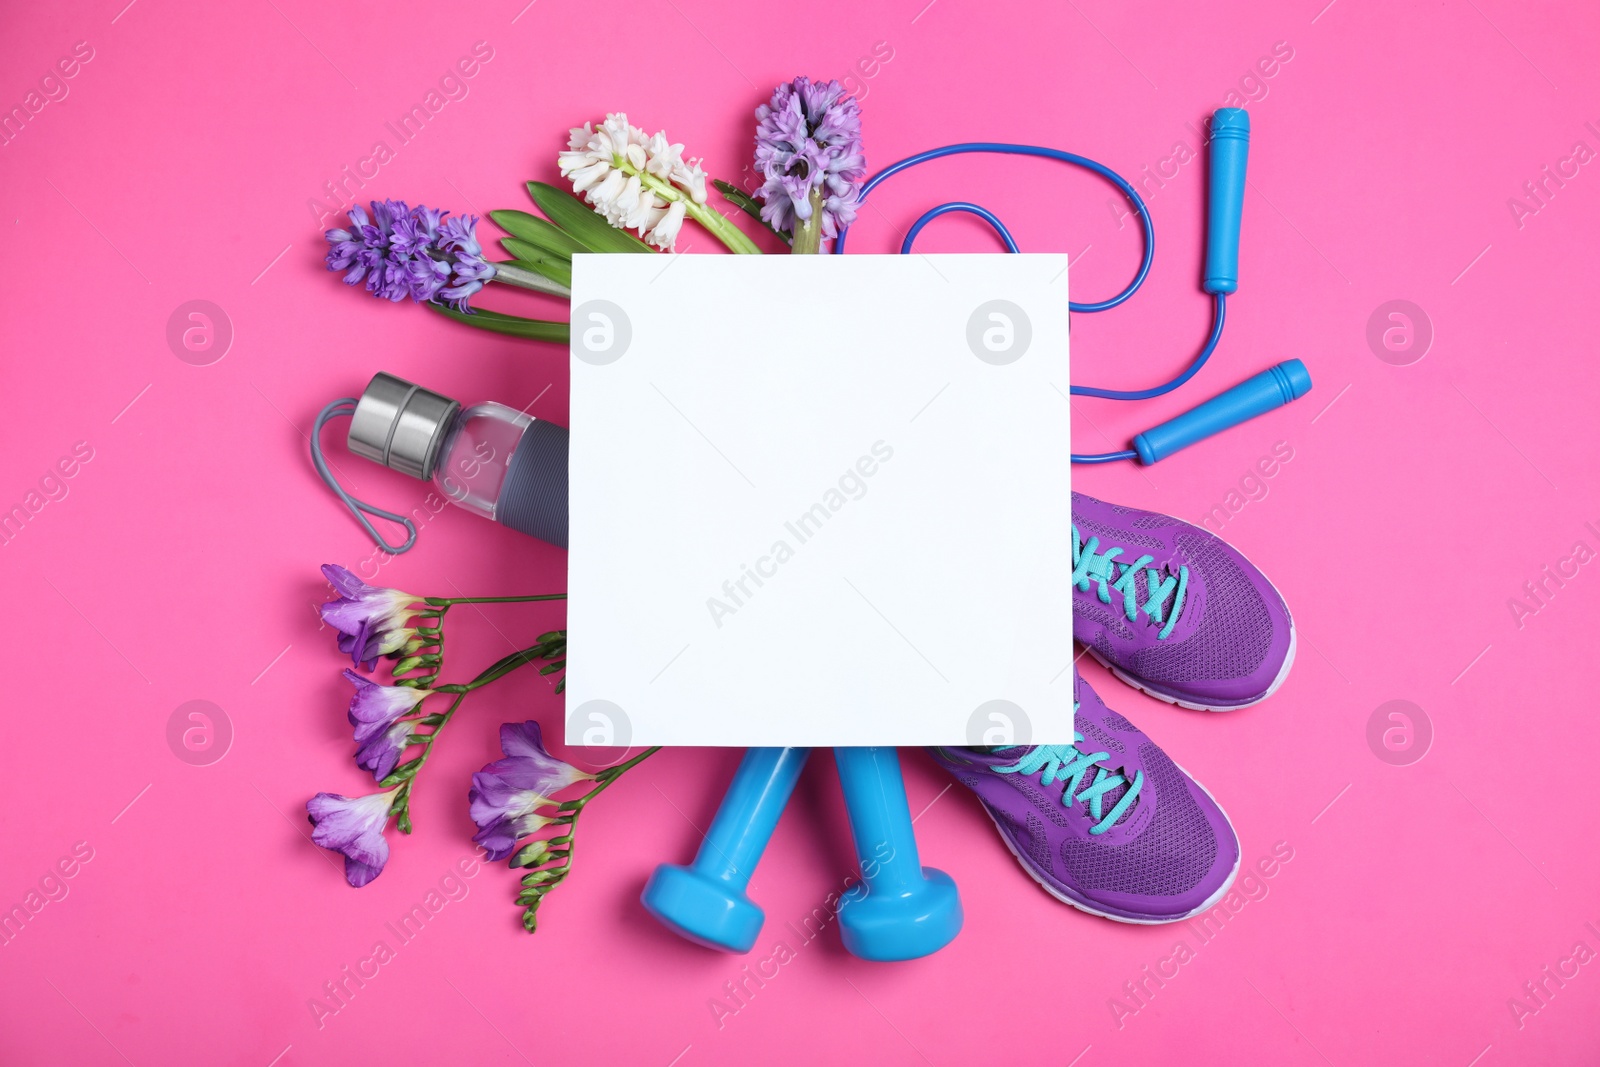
706 901
908 910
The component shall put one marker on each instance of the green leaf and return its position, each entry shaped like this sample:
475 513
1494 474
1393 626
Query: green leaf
532 257
515 325
534 230
749 205
580 222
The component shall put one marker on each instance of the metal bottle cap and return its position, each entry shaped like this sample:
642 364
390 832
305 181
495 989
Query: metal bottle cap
401 425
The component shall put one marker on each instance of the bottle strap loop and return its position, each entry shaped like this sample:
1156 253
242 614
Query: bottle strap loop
345 407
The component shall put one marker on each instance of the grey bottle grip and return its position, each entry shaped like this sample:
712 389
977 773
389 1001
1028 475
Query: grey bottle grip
534 498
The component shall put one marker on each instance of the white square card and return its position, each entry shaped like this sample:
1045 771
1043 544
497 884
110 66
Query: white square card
819 500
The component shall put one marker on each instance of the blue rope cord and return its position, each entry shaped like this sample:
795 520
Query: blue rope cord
1147 229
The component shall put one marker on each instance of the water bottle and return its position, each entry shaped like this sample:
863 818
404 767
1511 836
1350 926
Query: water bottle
493 460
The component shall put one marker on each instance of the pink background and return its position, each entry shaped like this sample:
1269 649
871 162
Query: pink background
181 563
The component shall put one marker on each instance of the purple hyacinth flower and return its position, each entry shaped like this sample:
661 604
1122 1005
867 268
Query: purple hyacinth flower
399 251
353 826
349 250
506 795
385 213
460 235
381 750
468 276
427 277
409 237
808 137
389 281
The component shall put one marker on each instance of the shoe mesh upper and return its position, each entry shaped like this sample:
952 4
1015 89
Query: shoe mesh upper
1102 616
1115 721
1234 635
1111 537
1099 736
1039 844
1169 858
1050 805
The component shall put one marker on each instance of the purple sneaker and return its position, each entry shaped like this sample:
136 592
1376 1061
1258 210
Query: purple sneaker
1109 825
1174 610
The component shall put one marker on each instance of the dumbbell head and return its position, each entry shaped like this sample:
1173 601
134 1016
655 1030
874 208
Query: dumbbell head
916 921
707 910
706 902
906 910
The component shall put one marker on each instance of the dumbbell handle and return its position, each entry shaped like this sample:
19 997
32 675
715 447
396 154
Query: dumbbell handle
880 821
749 813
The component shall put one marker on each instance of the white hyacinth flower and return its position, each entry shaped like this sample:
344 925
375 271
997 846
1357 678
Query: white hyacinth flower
636 182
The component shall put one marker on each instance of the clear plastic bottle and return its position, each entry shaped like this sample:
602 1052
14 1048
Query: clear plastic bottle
492 460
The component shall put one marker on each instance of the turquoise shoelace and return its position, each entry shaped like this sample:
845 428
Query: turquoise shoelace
1073 765
1089 564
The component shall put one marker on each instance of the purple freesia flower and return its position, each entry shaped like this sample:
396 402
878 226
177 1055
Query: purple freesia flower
375 707
376 712
402 251
381 750
506 795
353 826
809 137
370 619
365 648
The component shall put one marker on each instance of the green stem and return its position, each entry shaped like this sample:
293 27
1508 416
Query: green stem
512 274
547 648
603 782
567 841
402 805
721 227
808 234
544 650
448 601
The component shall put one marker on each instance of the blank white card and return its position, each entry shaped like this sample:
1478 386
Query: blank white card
819 500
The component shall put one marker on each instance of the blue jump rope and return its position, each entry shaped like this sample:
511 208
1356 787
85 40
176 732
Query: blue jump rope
1230 149
901 910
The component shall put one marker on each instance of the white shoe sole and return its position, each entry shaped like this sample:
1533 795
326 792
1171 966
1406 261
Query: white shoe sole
1210 902
1124 676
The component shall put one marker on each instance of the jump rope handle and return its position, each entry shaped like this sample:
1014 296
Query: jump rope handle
1230 150
1273 387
